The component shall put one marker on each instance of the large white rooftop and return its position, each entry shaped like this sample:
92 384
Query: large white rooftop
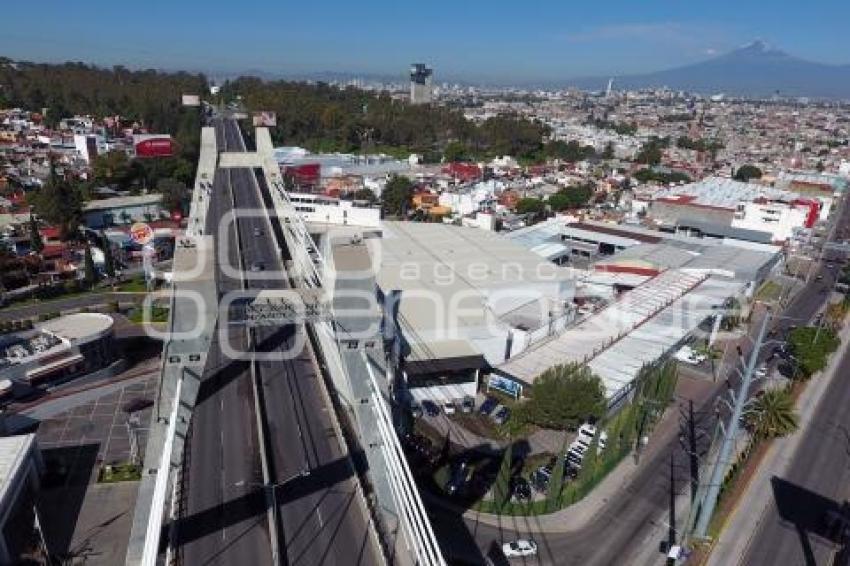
78 326
635 330
458 282
720 192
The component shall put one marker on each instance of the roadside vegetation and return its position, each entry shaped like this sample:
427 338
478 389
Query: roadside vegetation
568 396
811 348
120 472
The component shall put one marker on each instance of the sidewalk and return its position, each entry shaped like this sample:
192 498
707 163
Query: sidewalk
577 516
745 520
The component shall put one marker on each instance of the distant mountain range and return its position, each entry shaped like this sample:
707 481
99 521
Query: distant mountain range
754 70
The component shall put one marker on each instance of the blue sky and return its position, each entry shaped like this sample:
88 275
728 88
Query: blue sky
480 40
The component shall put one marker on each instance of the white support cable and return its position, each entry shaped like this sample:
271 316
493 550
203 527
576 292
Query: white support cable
392 439
151 549
402 485
401 495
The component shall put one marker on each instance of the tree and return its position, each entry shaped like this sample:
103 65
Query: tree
59 203
772 414
651 151
89 271
571 151
502 485
36 243
455 151
397 196
108 260
530 206
174 194
556 482
608 152
365 194
747 172
114 168
571 197
564 396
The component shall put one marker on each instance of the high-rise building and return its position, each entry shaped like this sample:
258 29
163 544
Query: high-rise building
420 84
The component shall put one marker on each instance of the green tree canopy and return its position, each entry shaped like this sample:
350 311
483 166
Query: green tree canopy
747 172
89 271
811 347
36 243
772 414
108 258
564 396
396 196
647 174
58 202
571 151
174 194
574 196
456 151
530 205
652 151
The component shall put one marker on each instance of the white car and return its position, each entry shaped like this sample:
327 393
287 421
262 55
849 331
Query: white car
519 548
761 371
449 408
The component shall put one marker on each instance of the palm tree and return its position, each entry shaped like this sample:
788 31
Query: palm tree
772 414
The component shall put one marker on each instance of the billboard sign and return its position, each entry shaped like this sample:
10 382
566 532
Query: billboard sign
191 100
505 385
153 145
265 118
141 233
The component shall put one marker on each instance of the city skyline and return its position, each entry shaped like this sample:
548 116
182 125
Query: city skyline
492 42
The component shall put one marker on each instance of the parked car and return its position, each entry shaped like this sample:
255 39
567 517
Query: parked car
449 407
520 489
502 415
415 409
519 548
257 266
430 408
468 404
761 371
487 407
540 478
457 480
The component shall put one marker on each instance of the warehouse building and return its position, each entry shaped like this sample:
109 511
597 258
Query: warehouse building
459 300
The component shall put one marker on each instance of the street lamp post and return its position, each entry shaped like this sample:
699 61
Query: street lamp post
715 483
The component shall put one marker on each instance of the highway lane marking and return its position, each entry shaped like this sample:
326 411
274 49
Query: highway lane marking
223 486
319 515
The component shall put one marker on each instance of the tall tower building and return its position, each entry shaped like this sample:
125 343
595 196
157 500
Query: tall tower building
420 84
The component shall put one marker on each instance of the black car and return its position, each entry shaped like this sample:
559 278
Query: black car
430 408
520 488
488 405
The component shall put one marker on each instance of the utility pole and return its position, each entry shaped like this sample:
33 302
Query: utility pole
707 505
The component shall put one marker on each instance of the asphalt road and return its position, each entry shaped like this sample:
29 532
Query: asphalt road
821 465
321 518
625 527
224 520
793 530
